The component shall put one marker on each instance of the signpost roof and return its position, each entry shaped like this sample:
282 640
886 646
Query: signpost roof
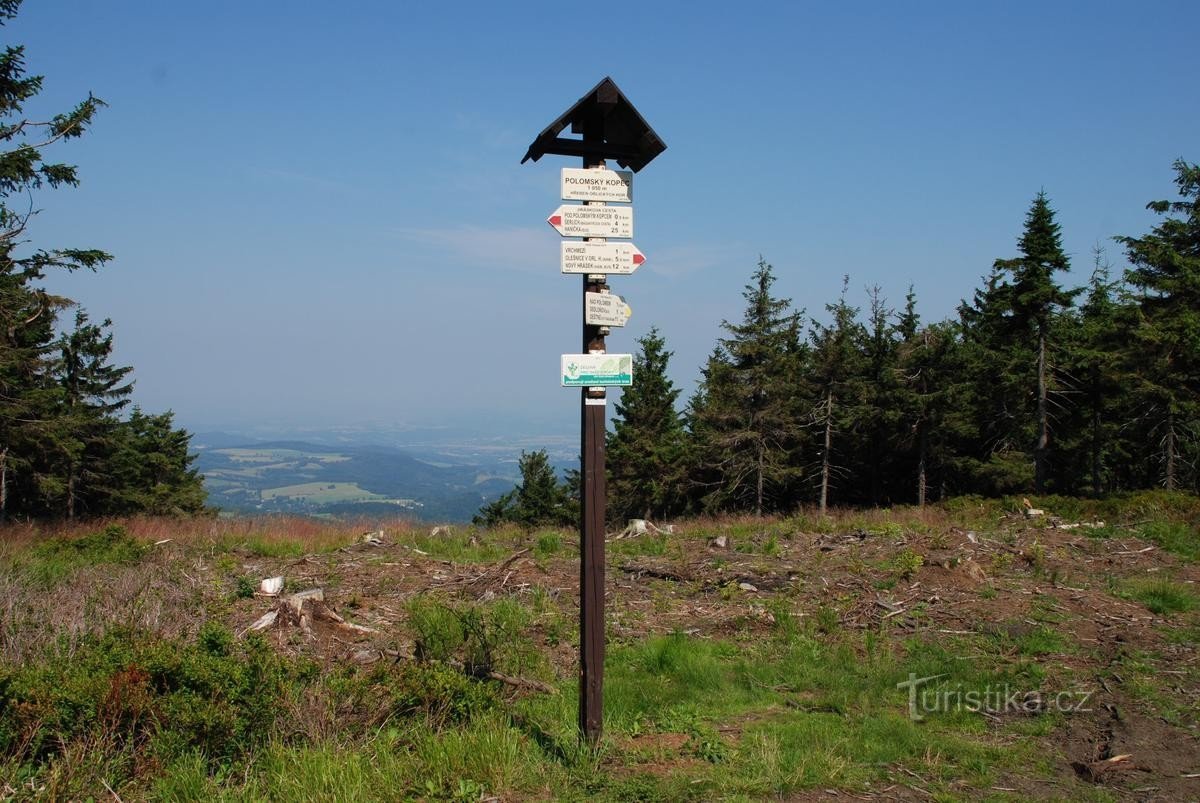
621 132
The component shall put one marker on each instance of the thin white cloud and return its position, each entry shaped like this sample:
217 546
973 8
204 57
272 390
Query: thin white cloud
526 249
677 261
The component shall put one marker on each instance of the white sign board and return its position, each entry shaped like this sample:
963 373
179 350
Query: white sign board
596 370
582 184
592 221
585 257
605 309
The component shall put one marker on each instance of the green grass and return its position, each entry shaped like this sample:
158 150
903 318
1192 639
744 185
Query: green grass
796 710
52 561
1163 596
1180 538
470 546
547 544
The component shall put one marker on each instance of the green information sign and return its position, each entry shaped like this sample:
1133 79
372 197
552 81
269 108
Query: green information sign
596 370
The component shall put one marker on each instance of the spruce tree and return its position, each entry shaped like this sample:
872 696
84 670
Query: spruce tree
151 468
991 448
27 312
836 373
926 366
93 392
1096 337
1165 275
59 396
646 447
744 416
539 498
875 419
1036 299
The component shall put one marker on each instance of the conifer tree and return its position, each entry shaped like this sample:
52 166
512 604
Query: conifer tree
744 418
93 392
645 450
926 368
151 468
59 397
539 499
1036 298
875 419
1096 340
27 311
990 450
836 372
1165 275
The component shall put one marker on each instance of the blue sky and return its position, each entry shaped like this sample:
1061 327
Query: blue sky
319 217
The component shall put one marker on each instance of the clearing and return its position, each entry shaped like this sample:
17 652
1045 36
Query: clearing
961 652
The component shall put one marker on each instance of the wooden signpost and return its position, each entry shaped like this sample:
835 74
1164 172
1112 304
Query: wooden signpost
611 128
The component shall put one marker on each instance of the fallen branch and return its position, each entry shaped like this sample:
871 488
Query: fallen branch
495 572
523 683
658 574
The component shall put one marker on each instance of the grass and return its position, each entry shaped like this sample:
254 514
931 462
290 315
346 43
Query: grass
1180 538
1163 596
120 665
54 560
808 712
466 546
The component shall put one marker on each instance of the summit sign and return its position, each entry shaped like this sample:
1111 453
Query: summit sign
610 186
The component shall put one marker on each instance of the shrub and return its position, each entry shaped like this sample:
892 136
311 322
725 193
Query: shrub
54 560
159 698
436 694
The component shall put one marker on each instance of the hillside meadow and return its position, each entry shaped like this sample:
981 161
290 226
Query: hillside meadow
963 651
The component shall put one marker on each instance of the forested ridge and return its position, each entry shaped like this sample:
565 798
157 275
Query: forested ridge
68 444
1032 387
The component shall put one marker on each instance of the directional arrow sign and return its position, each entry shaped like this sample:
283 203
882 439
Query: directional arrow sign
605 309
592 221
585 257
596 370
580 184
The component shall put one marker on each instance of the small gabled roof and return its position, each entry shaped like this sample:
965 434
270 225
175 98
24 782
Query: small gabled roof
621 132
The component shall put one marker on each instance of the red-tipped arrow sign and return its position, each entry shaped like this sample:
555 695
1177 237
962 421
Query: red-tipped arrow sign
587 257
592 221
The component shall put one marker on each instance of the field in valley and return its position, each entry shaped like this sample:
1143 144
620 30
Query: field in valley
964 651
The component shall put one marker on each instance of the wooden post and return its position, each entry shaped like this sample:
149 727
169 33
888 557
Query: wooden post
592 514
612 129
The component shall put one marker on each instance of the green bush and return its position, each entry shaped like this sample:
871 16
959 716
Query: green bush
480 638
162 699
435 694
56 559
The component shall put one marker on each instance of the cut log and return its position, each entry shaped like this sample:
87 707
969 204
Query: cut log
264 621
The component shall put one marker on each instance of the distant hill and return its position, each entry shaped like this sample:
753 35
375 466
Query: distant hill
299 477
